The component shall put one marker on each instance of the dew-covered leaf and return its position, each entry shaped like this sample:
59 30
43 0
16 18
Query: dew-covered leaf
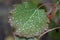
29 20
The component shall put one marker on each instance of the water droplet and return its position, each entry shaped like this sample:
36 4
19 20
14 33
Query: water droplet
30 26
30 17
17 23
33 16
22 29
37 25
12 17
31 20
19 29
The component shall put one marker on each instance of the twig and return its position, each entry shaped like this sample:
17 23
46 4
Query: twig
48 31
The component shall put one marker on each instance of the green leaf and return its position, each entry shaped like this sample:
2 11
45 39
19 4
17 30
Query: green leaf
29 20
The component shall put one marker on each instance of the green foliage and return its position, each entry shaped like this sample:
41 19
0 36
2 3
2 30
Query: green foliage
29 19
55 35
54 1
58 12
52 24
